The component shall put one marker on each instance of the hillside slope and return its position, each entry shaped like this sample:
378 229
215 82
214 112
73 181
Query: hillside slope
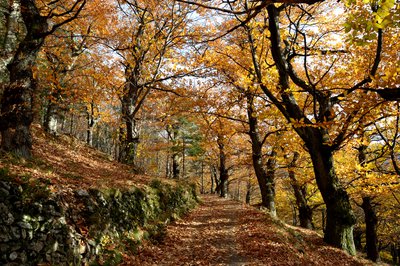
65 163
219 232
71 205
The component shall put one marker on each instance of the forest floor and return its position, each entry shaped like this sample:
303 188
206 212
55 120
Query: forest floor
218 232
226 232
64 164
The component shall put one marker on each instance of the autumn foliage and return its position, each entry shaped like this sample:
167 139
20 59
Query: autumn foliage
291 106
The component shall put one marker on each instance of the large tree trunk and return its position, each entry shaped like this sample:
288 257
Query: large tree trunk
305 211
11 32
265 177
340 218
130 137
17 101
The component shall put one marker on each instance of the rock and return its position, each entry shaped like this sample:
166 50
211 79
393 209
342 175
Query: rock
37 247
5 185
16 247
4 193
9 220
82 248
82 193
25 225
23 233
3 248
13 256
38 206
4 237
15 232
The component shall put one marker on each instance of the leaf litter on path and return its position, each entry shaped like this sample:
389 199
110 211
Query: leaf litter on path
226 232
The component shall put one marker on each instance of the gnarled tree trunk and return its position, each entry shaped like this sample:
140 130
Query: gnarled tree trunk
17 101
340 218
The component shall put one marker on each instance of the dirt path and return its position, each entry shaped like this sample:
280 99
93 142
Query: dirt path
206 236
225 232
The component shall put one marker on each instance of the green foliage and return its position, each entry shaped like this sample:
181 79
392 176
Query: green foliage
188 138
4 173
32 189
126 217
366 18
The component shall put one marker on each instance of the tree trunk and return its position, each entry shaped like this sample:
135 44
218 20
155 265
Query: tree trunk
371 222
202 177
12 31
51 119
130 138
270 178
357 235
394 251
340 218
265 177
17 101
175 166
91 122
248 193
213 176
305 212
222 187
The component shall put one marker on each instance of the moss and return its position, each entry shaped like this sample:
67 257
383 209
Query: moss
5 174
114 221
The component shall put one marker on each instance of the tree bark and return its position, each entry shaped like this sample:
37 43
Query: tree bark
371 222
51 119
175 166
222 187
91 122
265 171
394 251
248 193
130 139
305 211
340 217
17 101
213 177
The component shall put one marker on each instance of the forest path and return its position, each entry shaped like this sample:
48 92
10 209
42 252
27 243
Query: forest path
207 236
226 232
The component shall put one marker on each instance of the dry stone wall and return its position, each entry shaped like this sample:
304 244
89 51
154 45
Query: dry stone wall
84 226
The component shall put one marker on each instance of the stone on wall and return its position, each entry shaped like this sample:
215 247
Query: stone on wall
83 226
